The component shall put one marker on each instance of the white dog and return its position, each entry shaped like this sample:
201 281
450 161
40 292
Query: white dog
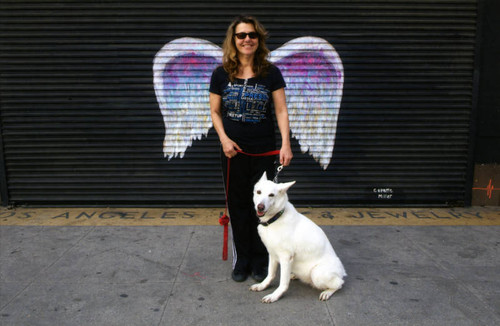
295 242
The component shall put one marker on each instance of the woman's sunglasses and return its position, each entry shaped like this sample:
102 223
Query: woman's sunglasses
242 36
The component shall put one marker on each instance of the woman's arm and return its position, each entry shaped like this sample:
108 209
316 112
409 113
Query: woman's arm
284 125
228 146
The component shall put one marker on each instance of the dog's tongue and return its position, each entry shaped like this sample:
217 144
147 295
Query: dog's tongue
260 214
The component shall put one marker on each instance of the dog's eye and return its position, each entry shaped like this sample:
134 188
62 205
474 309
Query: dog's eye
271 195
258 192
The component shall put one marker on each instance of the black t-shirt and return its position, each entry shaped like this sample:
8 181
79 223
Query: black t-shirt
247 107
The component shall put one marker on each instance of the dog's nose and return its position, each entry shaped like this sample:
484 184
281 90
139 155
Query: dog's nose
261 207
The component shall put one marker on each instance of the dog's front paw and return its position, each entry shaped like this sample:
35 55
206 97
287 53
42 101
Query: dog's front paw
270 298
325 295
258 287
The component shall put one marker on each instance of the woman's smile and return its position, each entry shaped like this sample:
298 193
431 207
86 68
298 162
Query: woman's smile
246 46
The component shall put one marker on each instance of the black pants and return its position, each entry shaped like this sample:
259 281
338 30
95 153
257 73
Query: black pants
244 172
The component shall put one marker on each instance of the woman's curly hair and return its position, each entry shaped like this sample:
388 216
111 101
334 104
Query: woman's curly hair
230 60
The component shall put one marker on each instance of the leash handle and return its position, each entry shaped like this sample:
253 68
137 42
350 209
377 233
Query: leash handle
224 218
224 221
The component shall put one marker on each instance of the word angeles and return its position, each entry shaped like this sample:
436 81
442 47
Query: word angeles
104 215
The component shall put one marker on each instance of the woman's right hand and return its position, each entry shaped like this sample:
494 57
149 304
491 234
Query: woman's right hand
230 148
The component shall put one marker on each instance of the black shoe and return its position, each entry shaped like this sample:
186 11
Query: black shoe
239 276
240 272
259 274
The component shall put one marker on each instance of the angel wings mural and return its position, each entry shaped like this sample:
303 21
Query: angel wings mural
312 70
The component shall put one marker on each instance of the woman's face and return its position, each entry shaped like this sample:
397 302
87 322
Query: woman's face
246 46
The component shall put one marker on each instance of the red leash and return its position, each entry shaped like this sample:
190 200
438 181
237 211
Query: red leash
224 218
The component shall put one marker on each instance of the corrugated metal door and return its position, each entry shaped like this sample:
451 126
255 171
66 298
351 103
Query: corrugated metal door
81 124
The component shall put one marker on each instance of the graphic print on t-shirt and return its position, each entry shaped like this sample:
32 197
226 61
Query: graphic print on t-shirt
245 103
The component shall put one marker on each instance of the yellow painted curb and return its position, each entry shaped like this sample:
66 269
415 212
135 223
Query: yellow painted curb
210 216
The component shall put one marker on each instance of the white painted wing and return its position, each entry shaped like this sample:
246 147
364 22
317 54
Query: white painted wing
314 75
182 71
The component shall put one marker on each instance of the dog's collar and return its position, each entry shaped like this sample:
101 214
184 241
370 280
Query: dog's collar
272 219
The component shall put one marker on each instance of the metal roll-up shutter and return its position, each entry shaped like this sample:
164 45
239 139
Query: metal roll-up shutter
81 124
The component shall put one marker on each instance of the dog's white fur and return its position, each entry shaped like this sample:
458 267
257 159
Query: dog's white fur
293 241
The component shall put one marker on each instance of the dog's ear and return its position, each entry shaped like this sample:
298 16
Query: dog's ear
263 178
285 186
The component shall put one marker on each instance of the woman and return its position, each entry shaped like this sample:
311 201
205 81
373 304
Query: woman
242 93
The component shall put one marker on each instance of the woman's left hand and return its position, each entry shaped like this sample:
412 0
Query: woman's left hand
286 155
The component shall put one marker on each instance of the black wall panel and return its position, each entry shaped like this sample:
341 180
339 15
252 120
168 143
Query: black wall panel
81 124
487 149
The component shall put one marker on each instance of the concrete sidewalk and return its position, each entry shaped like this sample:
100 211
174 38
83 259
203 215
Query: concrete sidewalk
174 275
